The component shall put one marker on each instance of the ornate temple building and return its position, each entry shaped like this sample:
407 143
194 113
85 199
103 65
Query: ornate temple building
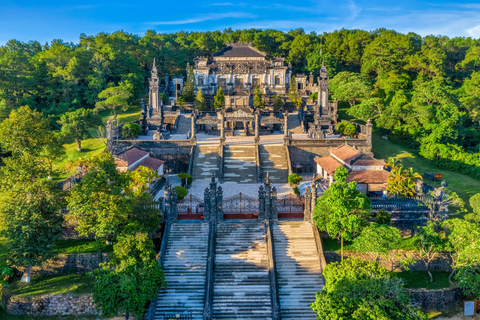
241 67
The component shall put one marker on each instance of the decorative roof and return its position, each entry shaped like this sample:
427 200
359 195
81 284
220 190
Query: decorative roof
346 154
369 176
240 50
131 156
367 162
150 163
328 164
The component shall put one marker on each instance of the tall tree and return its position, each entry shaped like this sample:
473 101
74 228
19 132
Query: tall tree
258 101
200 101
77 124
188 93
113 97
219 99
377 240
342 210
31 222
350 87
432 242
293 93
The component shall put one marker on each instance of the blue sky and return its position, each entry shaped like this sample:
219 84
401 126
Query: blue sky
46 20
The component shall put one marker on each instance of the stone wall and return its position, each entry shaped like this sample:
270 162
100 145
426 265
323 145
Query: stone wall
72 263
441 299
442 262
50 305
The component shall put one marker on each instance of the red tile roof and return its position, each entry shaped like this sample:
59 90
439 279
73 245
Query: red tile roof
370 162
328 164
346 154
132 155
369 176
150 163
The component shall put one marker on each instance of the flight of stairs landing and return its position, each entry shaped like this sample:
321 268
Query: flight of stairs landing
273 160
242 285
185 269
299 275
206 162
294 124
239 164
184 124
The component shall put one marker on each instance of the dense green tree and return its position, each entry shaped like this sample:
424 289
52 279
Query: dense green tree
350 87
200 101
113 97
258 101
401 182
293 95
131 279
188 93
31 222
347 128
131 130
76 124
219 99
432 242
357 289
342 210
377 240
277 102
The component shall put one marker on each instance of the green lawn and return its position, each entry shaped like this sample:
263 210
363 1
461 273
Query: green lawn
133 113
71 246
420 279
463 185
72 283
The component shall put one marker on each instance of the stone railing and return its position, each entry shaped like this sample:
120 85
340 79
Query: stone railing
159 143
289 162
327 142
221 170
210 272
258 164
318 243
191 159
272 272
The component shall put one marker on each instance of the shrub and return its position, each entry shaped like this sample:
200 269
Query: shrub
383 217
294 179
314 96
181 192
347 128
186 178
296 191
131 130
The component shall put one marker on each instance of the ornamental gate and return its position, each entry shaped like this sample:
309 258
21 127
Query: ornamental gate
190 208
240 206
290 207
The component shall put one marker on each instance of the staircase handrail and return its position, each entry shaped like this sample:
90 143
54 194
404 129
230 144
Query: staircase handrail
272 272
289 163
210 272
258 163
191 159
318 243
222 162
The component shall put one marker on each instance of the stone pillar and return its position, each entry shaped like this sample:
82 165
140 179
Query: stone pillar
167 197
307 212
285 125
369 132
261 203
193 129
219 200
222 130
257 127
206 205
273 205
213 196
268 193
313 187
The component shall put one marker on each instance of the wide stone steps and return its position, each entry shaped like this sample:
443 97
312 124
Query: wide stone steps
185 269
299 275
273 161
294 124
184 124
240 164
206 163
242 284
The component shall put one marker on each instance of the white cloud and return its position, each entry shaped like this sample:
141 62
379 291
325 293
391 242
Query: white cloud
474 32
205 17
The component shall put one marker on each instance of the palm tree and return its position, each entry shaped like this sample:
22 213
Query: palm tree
401 182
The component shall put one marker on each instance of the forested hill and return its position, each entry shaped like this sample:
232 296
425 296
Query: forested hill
425 88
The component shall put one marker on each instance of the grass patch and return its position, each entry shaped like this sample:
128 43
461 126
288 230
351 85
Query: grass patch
463 185
133 113
407 244
75 283
71 246
420 279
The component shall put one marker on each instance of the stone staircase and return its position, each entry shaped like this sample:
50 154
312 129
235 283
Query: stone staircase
184 124
184 268
242 285
294 124
239 164
299 274
206 162
273 160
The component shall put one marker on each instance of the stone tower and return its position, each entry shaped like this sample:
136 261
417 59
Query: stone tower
323 88
153 92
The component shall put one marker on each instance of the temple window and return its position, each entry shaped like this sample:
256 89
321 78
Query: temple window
277 80
200 81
